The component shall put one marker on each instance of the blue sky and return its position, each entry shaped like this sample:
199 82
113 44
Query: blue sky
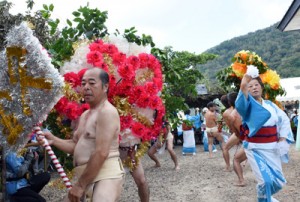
192 25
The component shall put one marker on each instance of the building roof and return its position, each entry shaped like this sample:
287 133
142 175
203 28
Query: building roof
292 88
291 19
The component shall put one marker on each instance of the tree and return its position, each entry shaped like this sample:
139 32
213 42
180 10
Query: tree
181 78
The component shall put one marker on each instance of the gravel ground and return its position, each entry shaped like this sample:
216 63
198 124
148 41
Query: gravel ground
199 179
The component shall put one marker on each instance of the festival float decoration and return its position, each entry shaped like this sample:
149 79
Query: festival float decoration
134 88
243 60
30 87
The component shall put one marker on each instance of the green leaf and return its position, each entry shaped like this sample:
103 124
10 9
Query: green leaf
78 20
76 14
51 7
45 7
69 22
45 15
52 24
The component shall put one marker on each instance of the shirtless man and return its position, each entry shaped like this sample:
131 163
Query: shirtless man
95 143
165 135
234 121
240 155
137 173
227 119
212 128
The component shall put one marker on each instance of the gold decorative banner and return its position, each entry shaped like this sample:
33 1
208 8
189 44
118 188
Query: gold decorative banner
30 86
5 94
11 127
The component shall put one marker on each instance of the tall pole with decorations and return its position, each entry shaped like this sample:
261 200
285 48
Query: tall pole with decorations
30 86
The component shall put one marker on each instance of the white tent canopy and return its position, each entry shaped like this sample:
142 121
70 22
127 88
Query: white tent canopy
292 88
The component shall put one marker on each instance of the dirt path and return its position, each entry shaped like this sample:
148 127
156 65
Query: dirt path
201 179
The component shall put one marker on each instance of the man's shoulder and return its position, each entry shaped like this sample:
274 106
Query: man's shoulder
108 109
227 112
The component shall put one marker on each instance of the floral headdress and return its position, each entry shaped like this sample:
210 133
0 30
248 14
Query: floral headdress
269 77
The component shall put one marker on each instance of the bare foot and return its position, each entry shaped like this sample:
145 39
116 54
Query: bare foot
240 184
228 169
156 166
176 168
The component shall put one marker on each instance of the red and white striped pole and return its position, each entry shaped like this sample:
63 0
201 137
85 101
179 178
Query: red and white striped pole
53 157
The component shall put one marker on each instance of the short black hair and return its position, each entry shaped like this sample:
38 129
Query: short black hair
259 81
211 104
224 101
231 97
104 77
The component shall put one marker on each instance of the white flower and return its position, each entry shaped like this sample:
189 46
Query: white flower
252 71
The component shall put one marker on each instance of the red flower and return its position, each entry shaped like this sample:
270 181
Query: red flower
126 122
126 71
147 134
96 46
143 100
72 110
134 61
81 73
151 88
124 88
155 102
118 58
72 78
109 48
61 104
84 107
144 58
94 57
137 129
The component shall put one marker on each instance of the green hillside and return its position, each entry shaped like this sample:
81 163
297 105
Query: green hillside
280 50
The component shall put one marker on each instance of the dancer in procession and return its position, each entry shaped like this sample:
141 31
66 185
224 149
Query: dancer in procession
165 138
212 128
268 133
138 173
234 121
95 143
189 144
227 119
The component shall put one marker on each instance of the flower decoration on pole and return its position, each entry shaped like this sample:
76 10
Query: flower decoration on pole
135 82
135 86
244 59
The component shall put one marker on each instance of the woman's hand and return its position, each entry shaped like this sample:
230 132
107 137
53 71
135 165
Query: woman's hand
244 84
